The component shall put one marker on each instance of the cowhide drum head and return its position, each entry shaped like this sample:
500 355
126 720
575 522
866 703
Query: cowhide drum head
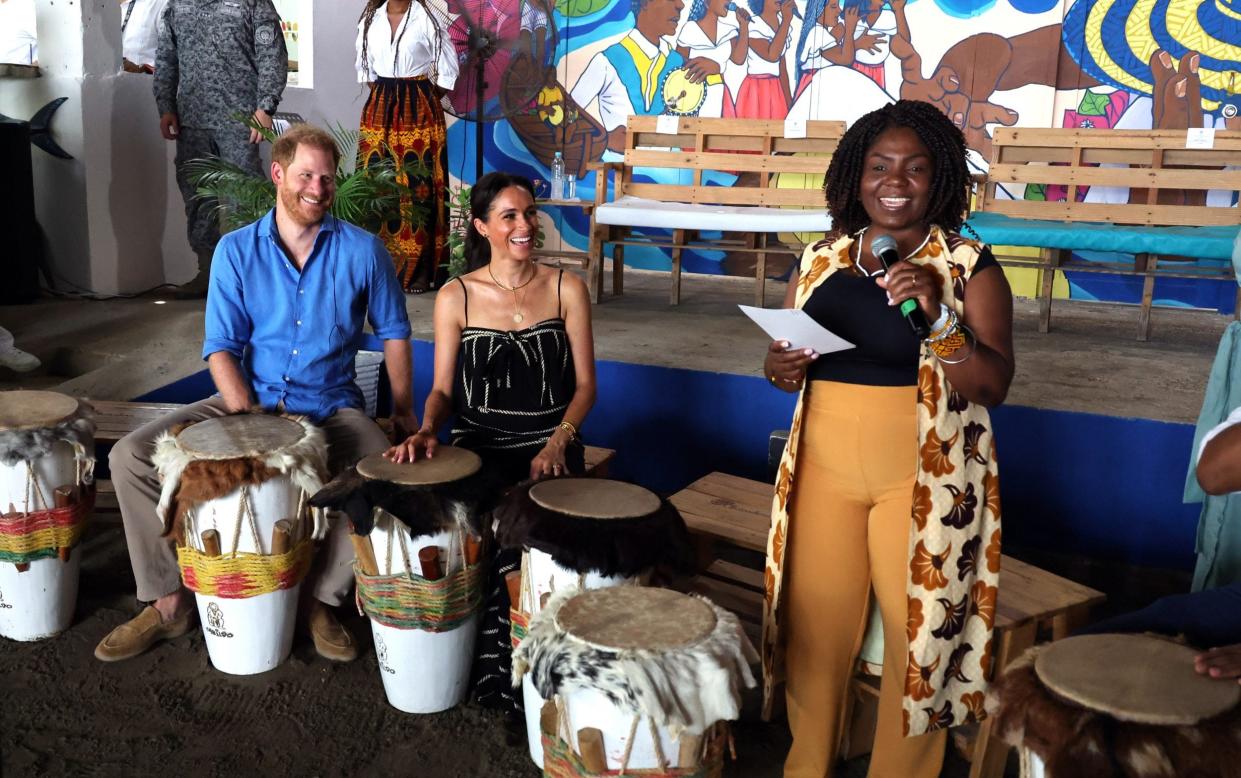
24 410
449 464
594 498
635 617
243 435
1137 678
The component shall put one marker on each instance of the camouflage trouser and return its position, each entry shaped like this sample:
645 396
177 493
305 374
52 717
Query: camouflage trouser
232 145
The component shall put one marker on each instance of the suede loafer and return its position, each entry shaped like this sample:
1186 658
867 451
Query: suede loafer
331 639
140 633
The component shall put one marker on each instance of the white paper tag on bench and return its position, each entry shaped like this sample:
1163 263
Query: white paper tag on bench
1200 138
794 128
667 125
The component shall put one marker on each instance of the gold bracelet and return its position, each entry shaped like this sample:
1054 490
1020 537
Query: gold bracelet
568 427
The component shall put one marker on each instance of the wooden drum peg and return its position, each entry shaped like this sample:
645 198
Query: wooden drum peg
429 558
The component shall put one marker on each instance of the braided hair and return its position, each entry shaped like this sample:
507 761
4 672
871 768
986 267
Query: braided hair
949 195
698 10
368 16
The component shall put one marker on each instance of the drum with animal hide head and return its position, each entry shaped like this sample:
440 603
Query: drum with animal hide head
638 679
235 497
418 570
47 460
1117 706
585 533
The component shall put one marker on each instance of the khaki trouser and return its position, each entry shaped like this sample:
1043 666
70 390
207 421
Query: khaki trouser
350 436
850 532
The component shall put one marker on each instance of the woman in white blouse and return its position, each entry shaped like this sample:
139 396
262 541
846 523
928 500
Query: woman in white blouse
408 60
765 92
719 34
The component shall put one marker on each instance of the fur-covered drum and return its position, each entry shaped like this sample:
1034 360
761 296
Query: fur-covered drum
638 679
423 606
235 496
47 463
584 533
1117 706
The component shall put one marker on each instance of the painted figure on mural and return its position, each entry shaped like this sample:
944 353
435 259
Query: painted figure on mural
881 24
718 32
408 61
626 77
765 93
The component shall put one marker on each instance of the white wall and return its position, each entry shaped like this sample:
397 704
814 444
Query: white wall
113 215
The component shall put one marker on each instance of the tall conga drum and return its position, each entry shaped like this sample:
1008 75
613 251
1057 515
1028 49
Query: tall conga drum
235 497
419 573
47 461
639 680
1117 706
584 533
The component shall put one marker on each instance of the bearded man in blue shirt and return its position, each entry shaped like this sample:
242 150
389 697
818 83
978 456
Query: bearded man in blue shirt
288 299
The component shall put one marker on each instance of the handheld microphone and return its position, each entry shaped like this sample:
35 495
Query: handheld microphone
884 249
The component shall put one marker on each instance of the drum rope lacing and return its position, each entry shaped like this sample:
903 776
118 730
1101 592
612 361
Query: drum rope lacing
41 530
238 574
408 601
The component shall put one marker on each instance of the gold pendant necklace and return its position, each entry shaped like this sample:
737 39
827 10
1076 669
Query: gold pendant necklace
518 316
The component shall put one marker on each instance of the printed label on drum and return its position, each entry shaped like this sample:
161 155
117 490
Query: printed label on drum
381 651
4 605
215 622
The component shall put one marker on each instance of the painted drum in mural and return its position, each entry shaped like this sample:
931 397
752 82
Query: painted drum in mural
584 533
47 492
234 496
638 679
418 569
1117 705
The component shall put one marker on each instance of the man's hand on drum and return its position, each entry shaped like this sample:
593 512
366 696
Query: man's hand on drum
420 445
785 367
1222 662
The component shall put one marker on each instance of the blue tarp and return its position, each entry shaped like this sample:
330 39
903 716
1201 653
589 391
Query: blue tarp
1210 245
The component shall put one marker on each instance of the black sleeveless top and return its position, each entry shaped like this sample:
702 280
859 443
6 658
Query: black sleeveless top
511 391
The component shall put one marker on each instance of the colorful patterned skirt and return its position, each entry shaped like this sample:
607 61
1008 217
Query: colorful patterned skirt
403 121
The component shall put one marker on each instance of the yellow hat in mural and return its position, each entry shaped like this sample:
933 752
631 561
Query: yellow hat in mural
1114 40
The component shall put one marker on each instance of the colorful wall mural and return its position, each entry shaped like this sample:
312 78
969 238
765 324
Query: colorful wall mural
985 63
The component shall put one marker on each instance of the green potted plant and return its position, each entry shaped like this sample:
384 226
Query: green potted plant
366 195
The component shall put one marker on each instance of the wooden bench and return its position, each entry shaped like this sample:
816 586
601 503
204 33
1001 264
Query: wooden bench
1161 218
683 182
725 508
114 420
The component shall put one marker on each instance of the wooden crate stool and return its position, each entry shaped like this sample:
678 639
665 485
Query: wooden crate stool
721 508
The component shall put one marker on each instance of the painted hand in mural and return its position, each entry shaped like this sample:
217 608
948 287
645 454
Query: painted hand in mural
1177 93
698 68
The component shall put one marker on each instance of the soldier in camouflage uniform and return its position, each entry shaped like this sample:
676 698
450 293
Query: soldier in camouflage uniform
216 59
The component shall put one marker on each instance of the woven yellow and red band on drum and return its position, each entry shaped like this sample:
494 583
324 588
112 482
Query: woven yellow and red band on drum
406 601
236 577
26 537
519 622
560 761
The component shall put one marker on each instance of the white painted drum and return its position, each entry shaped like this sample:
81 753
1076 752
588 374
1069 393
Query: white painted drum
249 635
24 494
542 577
422 672
39 602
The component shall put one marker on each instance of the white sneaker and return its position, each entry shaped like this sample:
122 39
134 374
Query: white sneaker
15 359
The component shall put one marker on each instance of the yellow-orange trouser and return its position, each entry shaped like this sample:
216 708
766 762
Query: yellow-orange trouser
849 532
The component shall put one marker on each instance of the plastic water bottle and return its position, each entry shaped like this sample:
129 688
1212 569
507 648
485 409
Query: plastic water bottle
558 177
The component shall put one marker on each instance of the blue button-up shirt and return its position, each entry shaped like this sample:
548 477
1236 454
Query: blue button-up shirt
296 334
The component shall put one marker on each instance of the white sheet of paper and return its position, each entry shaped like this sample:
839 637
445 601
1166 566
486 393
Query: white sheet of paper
1200 138
797 328
794 128
667 125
